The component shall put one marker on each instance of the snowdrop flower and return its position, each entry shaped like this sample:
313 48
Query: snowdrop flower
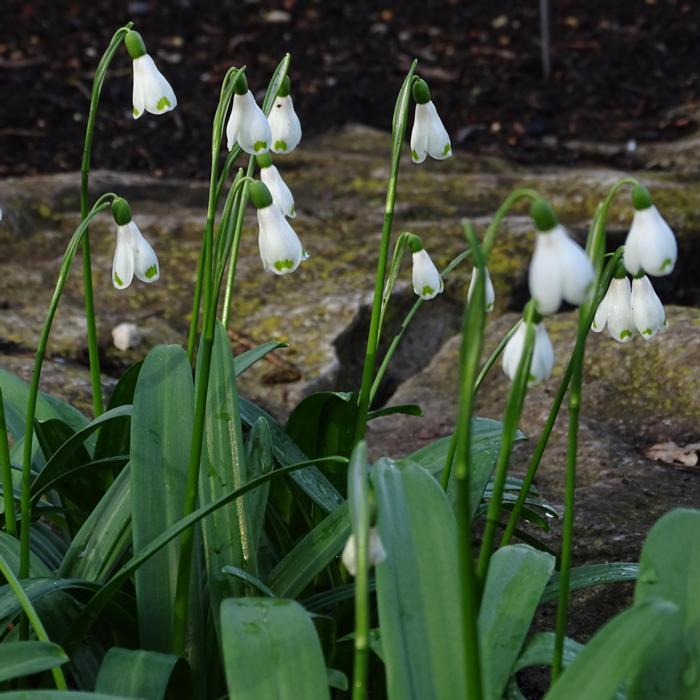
247 124
281 194
152 92
647 309
560 269
616 309
133 254
490 295
427 282
542 355
280 248
284 123
377 553
650 246
428 136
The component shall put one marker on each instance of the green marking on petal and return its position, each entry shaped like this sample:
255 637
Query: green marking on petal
625 334
531 378
284 265
136 112
427 290
447 149
117 280
666 263
293 212
280 145
415 156
151 272
647 331
162 103
259 146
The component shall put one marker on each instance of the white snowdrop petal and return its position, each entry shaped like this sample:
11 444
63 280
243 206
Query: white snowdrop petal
281 194
138 93
233 121
619 317
647 310
601 315
285 128
251 126
280 248
489 294
650 246
145 261
545 274
427 282
419 135
542 356
349 555
439 145
578 273
513 351
377 553
123 261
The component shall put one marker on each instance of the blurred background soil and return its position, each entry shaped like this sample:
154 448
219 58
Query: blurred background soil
624 72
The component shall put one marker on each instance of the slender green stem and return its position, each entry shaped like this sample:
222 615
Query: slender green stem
556 405
235 247
93 349
398 133
358 498
470 354
30 612
514 408
404 327
6 468
66 265
196 303
508 203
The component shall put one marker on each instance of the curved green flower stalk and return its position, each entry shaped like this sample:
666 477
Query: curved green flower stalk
93 351
470 353
77 238
398 130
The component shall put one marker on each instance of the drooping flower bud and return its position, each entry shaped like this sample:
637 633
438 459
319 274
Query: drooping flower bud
427 282
284 122
560 269
247 123
152 92
281 194
542 354
428 136
133 254
489 294
376 554
647 310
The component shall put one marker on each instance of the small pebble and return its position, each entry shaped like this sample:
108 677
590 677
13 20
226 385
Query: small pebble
126 336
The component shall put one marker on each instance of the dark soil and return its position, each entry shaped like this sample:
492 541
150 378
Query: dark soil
620 71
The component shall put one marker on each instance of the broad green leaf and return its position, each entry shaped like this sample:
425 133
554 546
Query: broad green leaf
115 438
418 599
36 589
135 673
592 575
316 486
486 441
259 461
617 650
406 409
52 433
669 568
515 580
311 554
19 659
58 695
70 452
161 434
262 634
248 358
324 424
226 533
104 538
9 551
15 393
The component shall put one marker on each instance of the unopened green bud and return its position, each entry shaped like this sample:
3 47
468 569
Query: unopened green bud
259 195
134 44
264 160
641 199
543 215
121 211
620 271
421 92
285 88
240 83
414 243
